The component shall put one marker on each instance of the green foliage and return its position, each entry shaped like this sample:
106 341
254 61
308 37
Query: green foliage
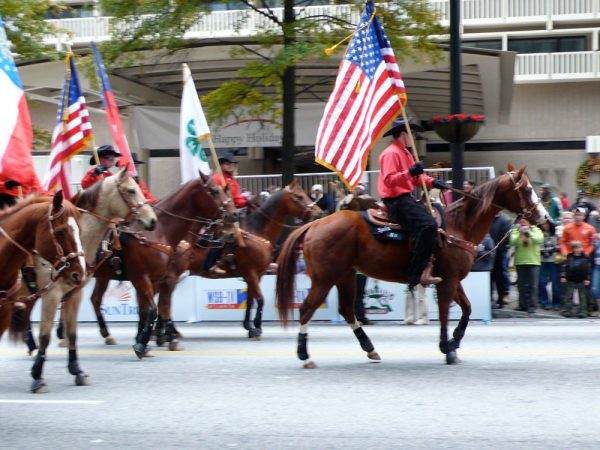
162 24
26 28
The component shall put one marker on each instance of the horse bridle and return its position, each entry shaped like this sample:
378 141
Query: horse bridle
61 261
134 207
306 207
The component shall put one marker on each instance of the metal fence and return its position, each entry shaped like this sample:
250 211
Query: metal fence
260 183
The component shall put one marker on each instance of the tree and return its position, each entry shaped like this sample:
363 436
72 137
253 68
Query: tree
26 27
294 37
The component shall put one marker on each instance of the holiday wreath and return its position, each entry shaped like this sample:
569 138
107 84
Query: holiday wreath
583 177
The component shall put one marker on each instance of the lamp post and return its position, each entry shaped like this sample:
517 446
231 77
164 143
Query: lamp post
457 149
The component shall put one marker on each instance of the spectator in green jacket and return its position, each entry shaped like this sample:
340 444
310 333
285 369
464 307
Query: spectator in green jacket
527 240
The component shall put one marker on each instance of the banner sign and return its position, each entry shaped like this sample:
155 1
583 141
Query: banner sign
198 299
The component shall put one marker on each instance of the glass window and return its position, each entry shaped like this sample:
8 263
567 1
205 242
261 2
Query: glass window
492 44
548 45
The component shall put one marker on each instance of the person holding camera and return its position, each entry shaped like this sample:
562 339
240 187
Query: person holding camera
527 240
106 156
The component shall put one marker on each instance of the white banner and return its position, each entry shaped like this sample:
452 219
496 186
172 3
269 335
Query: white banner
199 299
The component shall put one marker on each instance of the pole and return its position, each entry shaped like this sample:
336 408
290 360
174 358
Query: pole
457 149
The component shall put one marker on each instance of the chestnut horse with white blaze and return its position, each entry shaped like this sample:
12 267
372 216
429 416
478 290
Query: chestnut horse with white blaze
338 245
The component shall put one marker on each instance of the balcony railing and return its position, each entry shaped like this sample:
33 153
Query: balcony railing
557 66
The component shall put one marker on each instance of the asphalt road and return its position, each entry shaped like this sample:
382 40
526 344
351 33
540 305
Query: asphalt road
523 383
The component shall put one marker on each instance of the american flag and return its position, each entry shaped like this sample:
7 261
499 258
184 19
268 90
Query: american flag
72 133
366 98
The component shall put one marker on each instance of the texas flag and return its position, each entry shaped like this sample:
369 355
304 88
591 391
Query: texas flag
16 134
112 115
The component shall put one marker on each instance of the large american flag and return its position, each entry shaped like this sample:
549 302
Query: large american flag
72 132
366 98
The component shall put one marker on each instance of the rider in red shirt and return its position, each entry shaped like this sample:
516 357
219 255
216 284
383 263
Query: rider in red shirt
106 155
228 163
399 176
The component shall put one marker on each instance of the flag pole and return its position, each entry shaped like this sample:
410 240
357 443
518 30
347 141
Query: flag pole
415 154
70 54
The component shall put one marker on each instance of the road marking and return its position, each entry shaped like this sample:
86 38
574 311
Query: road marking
53 402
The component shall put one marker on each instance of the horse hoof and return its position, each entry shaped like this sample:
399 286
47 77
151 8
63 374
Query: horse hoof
62 343
139 350
309 365
39 387
175 346
374 356
83 379
109 340
452 358
160 341
254 333
148 353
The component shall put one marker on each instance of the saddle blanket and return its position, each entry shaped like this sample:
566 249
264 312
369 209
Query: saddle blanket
382 232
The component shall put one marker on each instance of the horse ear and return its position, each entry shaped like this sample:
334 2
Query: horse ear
521 172
203 177
510 167
122 173
293 184
57 201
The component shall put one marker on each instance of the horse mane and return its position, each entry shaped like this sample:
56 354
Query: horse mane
169 197
88 198
256 220
467 210
29 200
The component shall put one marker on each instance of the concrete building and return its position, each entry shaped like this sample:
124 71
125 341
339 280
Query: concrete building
531 66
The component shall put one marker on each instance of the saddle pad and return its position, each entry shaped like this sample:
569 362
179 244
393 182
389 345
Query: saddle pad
384 232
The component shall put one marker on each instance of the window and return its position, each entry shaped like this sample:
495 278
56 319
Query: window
549 45
492 44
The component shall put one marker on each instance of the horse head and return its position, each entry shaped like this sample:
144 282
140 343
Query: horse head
120 196
58 240
217 199
298 203
520 197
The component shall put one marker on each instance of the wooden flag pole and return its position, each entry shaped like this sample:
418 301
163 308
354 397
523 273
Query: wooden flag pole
415 154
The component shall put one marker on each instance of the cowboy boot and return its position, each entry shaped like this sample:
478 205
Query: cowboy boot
427 278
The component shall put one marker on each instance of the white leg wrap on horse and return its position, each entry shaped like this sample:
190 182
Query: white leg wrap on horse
304 328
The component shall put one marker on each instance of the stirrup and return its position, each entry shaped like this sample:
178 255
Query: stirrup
216 270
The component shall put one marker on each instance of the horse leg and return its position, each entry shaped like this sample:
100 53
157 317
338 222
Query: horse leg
49 306
459 331
164 306
60 329
148 313
254 328
346 297
159 329
314 299
71 309
30 340
97 294
446 291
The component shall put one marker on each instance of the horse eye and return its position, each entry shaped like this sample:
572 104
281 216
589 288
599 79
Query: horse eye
59 234
131 191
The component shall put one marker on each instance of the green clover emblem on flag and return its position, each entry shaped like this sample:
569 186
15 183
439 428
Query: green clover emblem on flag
191 141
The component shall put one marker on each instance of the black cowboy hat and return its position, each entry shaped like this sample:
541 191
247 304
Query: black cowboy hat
134 158
104 150
399 125
228 158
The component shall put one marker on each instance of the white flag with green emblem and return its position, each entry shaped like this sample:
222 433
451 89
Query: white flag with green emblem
192 129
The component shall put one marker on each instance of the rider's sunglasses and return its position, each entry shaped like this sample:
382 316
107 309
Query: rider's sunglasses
109 158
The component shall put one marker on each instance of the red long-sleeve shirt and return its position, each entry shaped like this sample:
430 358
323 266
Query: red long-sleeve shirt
394 178
91 178
236 193
147 195
33 187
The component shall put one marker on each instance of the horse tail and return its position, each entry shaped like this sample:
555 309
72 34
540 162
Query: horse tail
286 272
18 324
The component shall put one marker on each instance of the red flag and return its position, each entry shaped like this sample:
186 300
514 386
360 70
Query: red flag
368 95
71 135
112 115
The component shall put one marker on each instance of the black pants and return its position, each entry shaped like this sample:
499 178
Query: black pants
7 200
422 228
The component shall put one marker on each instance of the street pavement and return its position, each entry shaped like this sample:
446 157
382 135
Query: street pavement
523 383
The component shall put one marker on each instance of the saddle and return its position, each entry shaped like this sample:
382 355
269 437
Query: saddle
380 217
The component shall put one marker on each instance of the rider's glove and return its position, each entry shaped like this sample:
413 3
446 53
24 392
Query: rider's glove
11 184
100 169
439 184
417 169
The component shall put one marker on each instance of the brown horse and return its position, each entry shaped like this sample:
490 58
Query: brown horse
335 246
196 208
38 225
262 228
107 202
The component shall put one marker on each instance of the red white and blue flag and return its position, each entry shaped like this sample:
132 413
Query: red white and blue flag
72 133
112 115
16 133
367 96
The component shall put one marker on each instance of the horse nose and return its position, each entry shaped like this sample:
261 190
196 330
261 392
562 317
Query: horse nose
76 278
151 225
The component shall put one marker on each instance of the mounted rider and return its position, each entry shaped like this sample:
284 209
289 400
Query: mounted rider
106 156
228 167
398 178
